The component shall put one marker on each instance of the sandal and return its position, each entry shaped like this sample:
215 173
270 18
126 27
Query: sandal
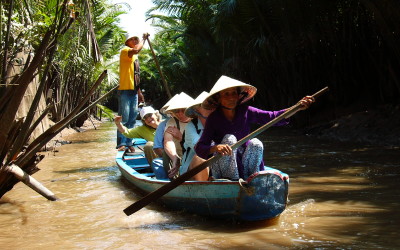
122 148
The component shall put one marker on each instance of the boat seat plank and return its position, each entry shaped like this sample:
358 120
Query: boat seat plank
134 153
148 174
142 166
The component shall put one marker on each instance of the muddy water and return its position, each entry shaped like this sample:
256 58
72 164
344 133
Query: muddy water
341 196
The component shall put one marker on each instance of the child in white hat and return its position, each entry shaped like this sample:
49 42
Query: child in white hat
150 120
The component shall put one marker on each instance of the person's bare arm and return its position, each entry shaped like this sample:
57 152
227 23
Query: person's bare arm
223 149
175 132
135 50
117 121
158 151
138 47
170 150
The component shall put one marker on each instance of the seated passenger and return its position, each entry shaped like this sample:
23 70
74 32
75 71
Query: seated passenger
158 146
231 122
173 133
150 120
193 131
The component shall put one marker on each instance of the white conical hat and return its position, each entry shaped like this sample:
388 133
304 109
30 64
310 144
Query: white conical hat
162 110
223 83
189 112
181 102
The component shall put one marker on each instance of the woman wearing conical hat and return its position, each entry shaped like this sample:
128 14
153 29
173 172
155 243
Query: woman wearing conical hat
230 122
192 133
158 146
173 133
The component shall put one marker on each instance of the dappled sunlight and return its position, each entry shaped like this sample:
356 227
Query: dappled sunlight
337 181
329 221
338 198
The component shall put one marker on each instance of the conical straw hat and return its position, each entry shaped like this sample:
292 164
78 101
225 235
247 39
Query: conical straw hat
190 112
181 102
223 83
162 110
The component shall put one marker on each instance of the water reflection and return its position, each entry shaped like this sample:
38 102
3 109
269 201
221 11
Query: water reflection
341 196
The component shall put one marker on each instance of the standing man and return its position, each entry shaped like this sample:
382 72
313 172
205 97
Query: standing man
128 91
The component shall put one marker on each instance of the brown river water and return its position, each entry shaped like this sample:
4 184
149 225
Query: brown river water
342 196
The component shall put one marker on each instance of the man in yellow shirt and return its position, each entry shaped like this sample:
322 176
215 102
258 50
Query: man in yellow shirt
128 90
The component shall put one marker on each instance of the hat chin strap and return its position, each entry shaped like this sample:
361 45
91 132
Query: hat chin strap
222 106
198 114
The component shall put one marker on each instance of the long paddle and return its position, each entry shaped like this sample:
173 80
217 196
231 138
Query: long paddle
159 69
186 176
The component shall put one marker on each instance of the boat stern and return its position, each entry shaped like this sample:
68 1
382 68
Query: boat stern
264 195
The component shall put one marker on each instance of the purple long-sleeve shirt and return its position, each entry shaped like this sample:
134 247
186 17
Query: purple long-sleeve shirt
217 126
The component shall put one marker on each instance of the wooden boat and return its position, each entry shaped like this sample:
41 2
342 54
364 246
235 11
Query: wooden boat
262 196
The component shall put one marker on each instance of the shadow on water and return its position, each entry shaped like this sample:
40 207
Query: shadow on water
182 220
110 169
100 174
212 225
352 187
342 196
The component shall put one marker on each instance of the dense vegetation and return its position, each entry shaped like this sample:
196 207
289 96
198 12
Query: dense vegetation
64 47
285 48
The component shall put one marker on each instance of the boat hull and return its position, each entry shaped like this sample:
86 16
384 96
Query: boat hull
262 196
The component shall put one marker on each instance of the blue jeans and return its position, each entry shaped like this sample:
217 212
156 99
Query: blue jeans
158 169
128 109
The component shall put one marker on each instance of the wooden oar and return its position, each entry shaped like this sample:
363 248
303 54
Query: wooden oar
186 176
159 69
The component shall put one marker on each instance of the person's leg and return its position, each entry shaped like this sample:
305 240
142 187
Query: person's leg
170 149
252 157
123 111
226 166
132 104
168 165
158 169
204 174
149 152
166 162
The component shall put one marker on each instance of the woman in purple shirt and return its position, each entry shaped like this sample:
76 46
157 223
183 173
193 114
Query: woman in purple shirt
230 122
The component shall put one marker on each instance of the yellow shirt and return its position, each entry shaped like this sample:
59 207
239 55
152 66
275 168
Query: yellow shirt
126 70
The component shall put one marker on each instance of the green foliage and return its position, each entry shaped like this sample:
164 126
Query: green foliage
285 48
94 34
106 111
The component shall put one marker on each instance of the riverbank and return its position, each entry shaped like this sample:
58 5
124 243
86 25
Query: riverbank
62 137
378 126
